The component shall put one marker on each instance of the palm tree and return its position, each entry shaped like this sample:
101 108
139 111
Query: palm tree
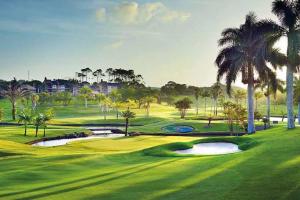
25 117
38 121
257 96
46 116
127 115
297 95
98 73
106 103
86 72
205 94
13 92
197 93
80 76
239 95
115 97
85 93
216 91
148 100
110 72
270 86
288 13
246 50
34 100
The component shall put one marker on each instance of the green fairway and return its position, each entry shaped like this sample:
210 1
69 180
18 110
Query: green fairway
119 169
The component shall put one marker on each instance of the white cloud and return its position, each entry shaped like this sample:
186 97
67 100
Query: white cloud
133 13
116 45
101 14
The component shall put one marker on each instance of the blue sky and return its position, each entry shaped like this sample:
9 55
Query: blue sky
162 40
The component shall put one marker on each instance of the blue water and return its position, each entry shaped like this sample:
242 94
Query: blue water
178 129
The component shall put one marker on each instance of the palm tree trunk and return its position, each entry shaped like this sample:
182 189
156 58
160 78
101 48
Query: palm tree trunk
126 127
148 111
289 97
197 107
251 126
25 133
216 107
85 102
299 112
205 105
268 109
44 131
36 130
13 111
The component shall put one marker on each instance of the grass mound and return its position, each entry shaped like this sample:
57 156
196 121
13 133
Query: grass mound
167 150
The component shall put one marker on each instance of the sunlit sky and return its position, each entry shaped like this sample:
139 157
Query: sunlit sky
162 40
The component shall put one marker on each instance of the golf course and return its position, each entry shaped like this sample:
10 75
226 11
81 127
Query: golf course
150 100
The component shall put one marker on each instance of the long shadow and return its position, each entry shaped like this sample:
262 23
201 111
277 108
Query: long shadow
68 182
172 180
84 179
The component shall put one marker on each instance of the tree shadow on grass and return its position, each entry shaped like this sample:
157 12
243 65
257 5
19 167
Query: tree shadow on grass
140 168
190 174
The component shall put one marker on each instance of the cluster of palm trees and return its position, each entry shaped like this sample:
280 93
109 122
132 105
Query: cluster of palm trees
249 50
27 116
118 75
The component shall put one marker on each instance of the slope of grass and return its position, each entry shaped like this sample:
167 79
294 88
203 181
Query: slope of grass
118 169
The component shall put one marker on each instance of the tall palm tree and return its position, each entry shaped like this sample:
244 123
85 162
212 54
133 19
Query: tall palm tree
13 92
239 95
245 51
297 95
270 86
86 72
216 91
98 73
197 93
25 117
288 13
257 95
127 115
205 94
80 76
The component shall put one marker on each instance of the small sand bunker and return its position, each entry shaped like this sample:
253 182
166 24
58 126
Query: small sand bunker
212 148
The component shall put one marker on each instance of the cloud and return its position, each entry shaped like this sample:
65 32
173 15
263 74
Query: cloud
131 13
101 14
116 45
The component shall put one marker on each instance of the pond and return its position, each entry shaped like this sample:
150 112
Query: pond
212 148
178 129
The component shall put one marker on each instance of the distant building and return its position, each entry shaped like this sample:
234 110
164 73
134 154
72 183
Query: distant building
59 85
105 87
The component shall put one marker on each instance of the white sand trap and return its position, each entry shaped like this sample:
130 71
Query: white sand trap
212 148
59 142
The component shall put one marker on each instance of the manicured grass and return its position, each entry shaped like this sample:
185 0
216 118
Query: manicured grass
244 144
16 133
77 113
119 169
